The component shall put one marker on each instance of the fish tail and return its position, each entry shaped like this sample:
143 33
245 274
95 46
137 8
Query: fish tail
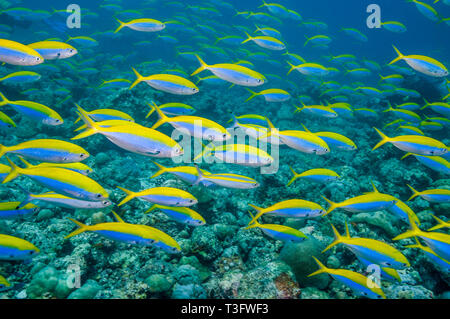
440 224
205 152
337 238
257 28
416 245
399 57
27 200
27 164
152 208
13 173
272 131
412 232
332 207
259 212
203 66
296 175
82 228
4 100
292 67
384 139
130 195
120 26
306 42
91 126
415 192
3 150
163 118
161 170
200 175
322 268
139 78
426 104
249 38
253 222
152 109
251 96
406 155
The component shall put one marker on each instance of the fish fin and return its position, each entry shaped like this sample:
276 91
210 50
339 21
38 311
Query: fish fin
322 268
130 195
304 127
296 175
251 96
332 207
118 218
122 24
163 118
399 57
139 78
13 173
440 224
337 238
375 190
203 66
384 139
161 170
200 175
415 192
82 228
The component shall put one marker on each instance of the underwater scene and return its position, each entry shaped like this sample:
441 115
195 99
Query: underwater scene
224 149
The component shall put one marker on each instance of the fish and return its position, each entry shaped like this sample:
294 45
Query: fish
234 73
293 208
374 251
278 232
320 110
226 180
100 115
241 154
270 95
11 210
368 202
188 174
439 107
184 215
133 138
431 195
422 64
16 53
52 50
129 233
143 25
438 261
35 111
47 150
53 199
167 196
439 243
313 69
21 77
394 26
196 126
173 108
60 180
416 144
436 163
319 175
302 141
427 10
169 83
14 248
361 285
266 42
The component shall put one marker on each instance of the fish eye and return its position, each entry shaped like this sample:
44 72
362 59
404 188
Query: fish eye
191 201
98 195
81 155
388 264
30 252
38 59
105 202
